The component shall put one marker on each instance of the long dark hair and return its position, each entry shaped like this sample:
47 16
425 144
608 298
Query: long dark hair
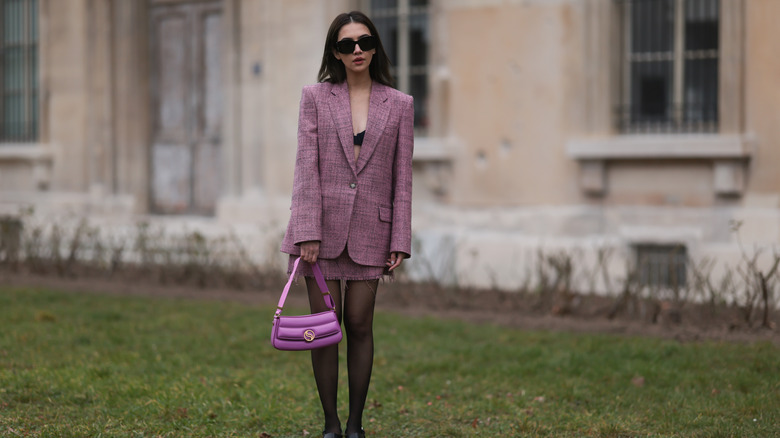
332 70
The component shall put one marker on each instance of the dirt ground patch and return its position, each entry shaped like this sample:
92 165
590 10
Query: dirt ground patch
575 313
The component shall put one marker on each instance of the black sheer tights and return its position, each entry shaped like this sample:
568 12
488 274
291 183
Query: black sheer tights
358 315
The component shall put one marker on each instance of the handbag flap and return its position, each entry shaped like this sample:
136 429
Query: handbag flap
307 327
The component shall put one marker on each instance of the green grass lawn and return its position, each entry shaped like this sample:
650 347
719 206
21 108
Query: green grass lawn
86 365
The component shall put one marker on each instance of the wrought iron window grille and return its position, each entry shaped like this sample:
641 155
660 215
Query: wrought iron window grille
669 66
404 26
19 71
662 266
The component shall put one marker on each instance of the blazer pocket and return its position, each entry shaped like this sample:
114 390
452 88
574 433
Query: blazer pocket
386 214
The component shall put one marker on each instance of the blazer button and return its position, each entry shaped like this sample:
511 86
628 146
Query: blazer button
352 185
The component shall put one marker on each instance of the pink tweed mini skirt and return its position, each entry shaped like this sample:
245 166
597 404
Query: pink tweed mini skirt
341 268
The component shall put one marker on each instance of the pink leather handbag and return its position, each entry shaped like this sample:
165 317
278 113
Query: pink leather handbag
306 332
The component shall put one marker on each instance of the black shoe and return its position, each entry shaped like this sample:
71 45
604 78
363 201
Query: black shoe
361 434
331 435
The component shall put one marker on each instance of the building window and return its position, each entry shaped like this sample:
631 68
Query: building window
662 266
669 66
405 31
19 70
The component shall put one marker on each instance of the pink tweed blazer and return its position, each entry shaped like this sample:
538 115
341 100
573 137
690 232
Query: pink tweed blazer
364 206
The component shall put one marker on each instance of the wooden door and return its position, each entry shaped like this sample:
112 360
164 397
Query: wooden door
186 155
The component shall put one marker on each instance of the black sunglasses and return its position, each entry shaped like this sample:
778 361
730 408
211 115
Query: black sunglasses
347 46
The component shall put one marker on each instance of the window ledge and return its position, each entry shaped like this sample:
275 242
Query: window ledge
434 149
728 154
25 152
654 147
435 155
39 155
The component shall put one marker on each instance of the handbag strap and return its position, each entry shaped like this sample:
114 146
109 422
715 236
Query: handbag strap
315 268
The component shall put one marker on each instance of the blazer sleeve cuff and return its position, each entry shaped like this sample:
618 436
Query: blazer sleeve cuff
406 251
301 239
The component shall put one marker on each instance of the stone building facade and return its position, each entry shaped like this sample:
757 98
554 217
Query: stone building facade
639 126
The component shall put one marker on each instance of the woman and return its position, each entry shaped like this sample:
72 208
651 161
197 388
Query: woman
352 196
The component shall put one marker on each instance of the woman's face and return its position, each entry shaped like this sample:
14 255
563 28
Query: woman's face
359 60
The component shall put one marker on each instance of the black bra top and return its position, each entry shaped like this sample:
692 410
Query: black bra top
358 138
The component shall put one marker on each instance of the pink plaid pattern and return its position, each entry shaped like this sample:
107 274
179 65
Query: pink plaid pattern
365 206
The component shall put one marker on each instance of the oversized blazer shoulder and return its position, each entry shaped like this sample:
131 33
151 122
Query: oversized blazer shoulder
364 206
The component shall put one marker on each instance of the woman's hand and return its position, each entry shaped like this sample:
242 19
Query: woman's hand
395 260
310 251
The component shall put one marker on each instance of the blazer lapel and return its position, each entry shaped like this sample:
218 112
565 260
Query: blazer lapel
342 117
378 113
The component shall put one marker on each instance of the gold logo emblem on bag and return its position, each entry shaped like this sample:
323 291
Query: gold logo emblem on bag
308 335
